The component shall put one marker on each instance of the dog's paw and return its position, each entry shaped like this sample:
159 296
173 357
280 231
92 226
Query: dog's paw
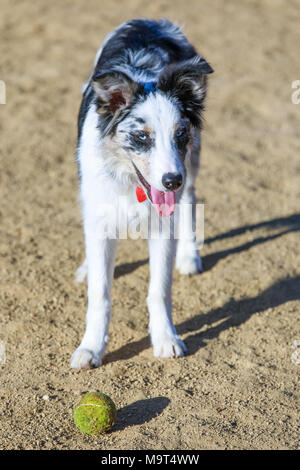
84 359
81 272
169 347
191 264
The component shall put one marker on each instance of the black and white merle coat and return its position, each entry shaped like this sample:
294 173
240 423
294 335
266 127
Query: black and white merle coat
139 125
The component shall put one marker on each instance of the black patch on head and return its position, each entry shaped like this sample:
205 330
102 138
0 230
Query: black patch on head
152 35
186 82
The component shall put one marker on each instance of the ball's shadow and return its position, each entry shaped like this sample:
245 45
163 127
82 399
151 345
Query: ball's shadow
140 412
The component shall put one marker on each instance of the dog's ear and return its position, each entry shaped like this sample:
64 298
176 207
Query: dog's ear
115 91
186 81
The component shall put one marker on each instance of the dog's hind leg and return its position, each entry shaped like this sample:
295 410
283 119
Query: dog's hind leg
165 341
188 260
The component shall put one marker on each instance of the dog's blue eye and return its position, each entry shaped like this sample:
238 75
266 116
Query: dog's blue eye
141 137
179 134
141 140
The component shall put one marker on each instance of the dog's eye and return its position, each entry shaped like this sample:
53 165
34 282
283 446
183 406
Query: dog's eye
142 137
180 133
141 141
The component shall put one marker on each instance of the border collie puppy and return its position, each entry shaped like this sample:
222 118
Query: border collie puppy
139 140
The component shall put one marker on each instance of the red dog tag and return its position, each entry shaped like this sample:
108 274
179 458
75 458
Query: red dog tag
140 194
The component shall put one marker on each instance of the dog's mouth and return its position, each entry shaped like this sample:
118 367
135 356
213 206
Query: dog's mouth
163 201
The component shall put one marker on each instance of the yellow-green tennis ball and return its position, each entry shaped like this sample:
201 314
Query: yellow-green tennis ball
95 413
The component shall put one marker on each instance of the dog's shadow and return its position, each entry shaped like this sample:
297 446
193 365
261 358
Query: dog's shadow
234 312
127 351
128 268
140 412
283 225
237 312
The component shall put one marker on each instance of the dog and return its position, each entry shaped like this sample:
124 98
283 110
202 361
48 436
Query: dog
139 129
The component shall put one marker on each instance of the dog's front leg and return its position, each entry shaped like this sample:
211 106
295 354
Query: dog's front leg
100 259
165 341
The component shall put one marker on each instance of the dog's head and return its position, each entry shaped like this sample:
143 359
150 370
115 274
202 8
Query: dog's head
150 125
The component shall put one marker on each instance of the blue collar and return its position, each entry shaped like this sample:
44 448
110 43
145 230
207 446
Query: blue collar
149 87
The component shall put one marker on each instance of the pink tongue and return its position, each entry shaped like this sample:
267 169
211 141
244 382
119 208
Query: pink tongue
164 202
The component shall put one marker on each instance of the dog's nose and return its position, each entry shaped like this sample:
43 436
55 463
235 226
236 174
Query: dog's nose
172 181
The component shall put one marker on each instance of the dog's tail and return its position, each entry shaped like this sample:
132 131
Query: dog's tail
81 272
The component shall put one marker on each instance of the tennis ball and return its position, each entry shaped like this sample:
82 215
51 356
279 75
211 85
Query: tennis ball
95 413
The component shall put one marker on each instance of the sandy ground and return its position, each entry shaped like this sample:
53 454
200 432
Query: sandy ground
238 387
